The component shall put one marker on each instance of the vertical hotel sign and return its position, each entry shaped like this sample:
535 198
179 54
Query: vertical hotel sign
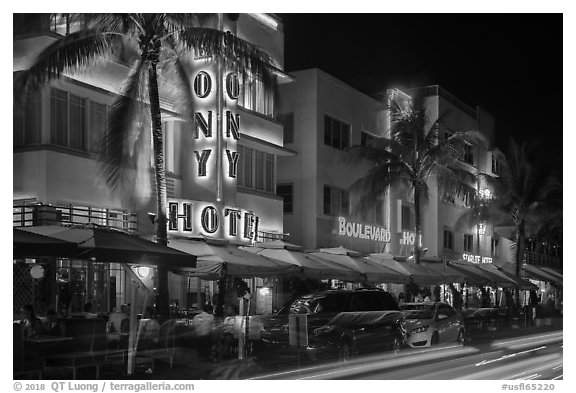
216 130
215 163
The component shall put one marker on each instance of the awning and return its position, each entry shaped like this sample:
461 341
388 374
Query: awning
507 278
310 267
372 272
215 258
554 273
471 272
450 275
32 245
108 245
420 275
536 273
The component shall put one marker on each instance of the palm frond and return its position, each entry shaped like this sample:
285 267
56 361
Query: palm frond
126 117
74 51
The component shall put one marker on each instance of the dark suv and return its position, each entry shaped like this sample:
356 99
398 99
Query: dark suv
340 323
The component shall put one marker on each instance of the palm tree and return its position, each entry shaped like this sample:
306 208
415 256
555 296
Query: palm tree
416 155
156 47
525 196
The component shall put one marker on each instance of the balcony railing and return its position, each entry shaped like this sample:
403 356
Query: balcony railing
538 259
32 214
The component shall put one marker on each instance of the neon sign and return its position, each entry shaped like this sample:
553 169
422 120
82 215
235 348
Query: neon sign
476 258
204 125
363 231
408 238
193 218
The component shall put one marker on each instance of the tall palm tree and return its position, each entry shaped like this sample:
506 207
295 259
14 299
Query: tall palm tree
525 196
417 155
157 48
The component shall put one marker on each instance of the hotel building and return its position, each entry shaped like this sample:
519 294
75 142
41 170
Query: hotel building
216 171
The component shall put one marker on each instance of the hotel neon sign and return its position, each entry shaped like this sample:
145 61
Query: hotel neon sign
192 218
363 231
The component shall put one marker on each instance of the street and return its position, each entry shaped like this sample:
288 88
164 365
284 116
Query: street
537 356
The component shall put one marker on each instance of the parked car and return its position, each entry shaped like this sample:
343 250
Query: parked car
335 320
349 334
432 323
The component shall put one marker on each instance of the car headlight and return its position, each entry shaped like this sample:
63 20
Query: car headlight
419 329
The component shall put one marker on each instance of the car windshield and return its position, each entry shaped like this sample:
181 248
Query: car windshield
316 304
418 311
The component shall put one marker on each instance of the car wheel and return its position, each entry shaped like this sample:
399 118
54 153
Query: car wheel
345 353
435 339
461 337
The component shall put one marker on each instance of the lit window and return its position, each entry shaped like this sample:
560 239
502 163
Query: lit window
256 169
68 120
494 247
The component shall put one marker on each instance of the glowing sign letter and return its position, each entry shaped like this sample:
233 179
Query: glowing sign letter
174 216
232 125
209 219
232 163
202 159
249 220
235 216
204 125
342 226
202 84
232 86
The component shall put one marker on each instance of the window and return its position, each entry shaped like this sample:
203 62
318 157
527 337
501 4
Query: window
336 133
448 239
287 119
64 24
366 138
27 122
468 154
336 201
468 242
255 98
494 247
67 120
256 169
286 192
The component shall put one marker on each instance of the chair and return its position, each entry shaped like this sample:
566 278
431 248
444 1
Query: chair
86 349
24 365
165 348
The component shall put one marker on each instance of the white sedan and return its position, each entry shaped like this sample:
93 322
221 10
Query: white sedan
432 323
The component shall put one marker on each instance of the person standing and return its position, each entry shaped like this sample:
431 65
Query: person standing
204 326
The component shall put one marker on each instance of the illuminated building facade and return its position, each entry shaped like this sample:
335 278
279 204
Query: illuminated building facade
221 173
323 116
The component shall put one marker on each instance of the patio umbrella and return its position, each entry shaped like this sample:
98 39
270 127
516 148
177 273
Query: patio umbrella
29 244
420 275
310 267
450 275
108 245
215 258
372 272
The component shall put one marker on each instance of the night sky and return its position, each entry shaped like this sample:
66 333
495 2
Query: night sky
508 64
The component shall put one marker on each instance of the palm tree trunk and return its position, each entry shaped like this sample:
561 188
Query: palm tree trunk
418 224
519 256
162 300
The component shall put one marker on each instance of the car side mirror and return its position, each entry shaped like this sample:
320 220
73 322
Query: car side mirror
442 317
